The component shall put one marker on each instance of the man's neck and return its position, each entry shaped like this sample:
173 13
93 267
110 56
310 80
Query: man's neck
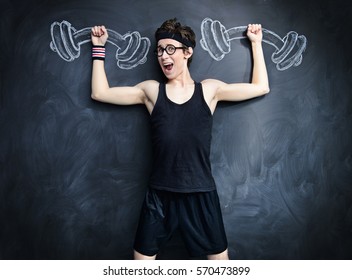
183 80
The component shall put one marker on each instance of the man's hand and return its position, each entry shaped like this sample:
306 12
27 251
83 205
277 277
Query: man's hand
99 35
254 33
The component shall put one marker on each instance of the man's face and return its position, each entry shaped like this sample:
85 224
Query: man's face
174 64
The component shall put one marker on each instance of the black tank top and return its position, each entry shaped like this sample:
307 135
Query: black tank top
181 138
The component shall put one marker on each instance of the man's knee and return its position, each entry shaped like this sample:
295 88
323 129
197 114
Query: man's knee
221 256
139 256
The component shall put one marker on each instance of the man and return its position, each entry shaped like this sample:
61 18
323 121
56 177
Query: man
182 192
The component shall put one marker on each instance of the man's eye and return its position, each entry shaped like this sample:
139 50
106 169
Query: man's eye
170 48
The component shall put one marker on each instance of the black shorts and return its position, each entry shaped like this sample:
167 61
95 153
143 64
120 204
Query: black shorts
197 215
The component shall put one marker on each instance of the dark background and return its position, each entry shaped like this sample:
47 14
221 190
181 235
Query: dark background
74 171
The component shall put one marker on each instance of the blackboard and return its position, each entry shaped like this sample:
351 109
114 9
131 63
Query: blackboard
74 171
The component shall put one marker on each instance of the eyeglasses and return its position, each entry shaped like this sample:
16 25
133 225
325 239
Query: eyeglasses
170 50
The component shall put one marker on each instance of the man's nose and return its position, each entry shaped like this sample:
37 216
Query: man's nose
165 54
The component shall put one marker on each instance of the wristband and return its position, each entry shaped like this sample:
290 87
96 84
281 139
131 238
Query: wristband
98 52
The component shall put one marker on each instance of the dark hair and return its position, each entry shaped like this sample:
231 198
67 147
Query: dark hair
175 27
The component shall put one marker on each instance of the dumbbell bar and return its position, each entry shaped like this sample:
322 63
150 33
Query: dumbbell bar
132 49
216 41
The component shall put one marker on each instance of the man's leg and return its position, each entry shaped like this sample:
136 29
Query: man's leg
202 225
139 256
221 256
156 224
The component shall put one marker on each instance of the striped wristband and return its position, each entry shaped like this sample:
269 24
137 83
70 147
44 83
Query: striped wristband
98 52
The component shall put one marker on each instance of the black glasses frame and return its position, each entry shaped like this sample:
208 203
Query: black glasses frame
160 50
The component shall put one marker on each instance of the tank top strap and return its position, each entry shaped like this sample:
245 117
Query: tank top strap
162 92
198 90
199 98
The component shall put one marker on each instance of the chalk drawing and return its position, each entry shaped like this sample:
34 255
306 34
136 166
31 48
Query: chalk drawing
216 41
66 41
132 49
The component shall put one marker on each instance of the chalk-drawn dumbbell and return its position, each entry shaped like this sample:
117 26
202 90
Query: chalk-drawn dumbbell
216 41
132 49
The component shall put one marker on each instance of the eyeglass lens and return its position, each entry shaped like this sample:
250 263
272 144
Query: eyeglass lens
170 49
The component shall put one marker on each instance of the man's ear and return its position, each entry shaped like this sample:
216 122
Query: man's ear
188 52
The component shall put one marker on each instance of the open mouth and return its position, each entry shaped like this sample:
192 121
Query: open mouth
168 66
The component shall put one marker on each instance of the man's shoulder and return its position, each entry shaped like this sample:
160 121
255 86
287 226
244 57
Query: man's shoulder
150 89
211 82
149 86
211 85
